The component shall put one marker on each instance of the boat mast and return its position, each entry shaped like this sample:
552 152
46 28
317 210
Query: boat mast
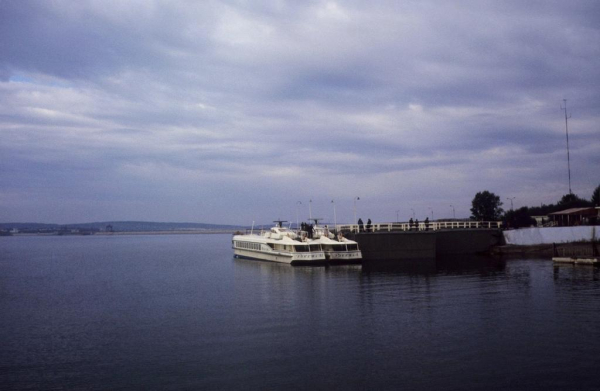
316 220
280 222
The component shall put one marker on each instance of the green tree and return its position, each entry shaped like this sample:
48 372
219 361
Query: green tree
519 218
542 210
596 197
569 201
486 206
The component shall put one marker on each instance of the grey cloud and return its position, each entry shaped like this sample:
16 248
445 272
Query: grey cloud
166 103
87 40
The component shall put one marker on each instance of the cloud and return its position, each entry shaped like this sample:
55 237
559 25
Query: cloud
250 107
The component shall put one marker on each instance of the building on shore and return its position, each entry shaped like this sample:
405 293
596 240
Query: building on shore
575 216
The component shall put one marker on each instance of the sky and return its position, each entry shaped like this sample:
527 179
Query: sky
238 111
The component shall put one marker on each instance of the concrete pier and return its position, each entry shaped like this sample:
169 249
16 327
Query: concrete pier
467 241
413 245
385 246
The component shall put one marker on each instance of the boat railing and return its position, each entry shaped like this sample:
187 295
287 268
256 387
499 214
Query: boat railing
421 226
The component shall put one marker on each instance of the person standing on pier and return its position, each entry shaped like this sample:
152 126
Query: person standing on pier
360 225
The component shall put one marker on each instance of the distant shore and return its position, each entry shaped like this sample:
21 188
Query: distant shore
173 232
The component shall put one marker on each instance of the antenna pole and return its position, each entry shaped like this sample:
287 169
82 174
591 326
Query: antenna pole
334 215
297 222
355 199
568 154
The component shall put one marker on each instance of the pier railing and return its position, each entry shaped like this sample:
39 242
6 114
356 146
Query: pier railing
421 226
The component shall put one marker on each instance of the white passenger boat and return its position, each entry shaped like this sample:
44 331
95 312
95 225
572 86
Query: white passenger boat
277 245
337 248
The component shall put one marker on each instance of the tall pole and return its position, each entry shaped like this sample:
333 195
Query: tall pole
511 201
355 199
297 222
431 209
310 209
334 215
567 132
413 212
453 212
397 216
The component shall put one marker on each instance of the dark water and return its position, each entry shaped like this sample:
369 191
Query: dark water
178 312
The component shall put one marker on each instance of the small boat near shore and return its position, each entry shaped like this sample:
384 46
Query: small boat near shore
278 244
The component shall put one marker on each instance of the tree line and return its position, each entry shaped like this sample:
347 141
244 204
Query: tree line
486 206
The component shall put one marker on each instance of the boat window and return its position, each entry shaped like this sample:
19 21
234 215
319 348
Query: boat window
315 247
353 247
247 245
334 247
301 249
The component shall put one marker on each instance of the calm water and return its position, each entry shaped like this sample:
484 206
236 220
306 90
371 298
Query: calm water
178 312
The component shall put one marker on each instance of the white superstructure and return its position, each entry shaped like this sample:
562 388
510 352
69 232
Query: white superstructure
336 248
277 245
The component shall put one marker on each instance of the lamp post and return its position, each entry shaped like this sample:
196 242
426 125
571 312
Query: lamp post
334 215
413 212
297 222
310 209
431 209
511 202
397 218
355 199
453 212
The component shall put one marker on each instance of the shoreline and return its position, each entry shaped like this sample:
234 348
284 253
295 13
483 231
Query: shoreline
120 233
548 250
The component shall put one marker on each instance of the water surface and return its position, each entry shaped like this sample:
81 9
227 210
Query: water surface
178 312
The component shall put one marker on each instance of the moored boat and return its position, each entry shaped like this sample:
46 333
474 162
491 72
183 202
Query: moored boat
277 245
337 248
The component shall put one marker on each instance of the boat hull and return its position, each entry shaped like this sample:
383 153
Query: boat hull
343 256
293 259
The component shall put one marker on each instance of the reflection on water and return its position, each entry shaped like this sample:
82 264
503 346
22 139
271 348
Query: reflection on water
448 265
177 312
274 267
575 274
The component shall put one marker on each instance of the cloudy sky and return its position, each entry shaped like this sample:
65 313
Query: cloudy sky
234 111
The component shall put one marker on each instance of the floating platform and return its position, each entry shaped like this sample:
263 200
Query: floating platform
577 261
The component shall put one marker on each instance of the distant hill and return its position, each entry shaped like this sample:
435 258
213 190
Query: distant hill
118 226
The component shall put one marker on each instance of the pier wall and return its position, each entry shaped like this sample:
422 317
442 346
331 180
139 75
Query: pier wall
467 241
391 246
